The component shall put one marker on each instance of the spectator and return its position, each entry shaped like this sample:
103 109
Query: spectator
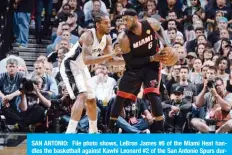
48 68
224 34
42 58
222 64
166 73
172 15
196 77
76 8
214 36
215 58
10 82
103 84
50 85
212 23
225 47
140 5
65 36
62 16
20 61
22 14
208 54
40 4
191 56
218 104
126 4
60 56
204 71
177 45
230 56
195 8
180 40
200 51
151 11
182 56
117 11
175 78
63 26
75 27
197 21
23 70
201 39
171 6
135 117
171 33
190 90
175 111
172 24
191 45
220 6
116 22
57 55
33 104
89 6
96 7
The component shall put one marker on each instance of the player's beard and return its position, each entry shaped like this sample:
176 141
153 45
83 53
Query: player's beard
133 26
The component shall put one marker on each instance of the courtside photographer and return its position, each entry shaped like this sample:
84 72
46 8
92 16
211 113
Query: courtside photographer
217 102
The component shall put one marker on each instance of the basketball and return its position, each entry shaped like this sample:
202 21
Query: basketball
172 56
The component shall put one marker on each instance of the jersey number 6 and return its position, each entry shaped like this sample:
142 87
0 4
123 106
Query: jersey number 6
150 45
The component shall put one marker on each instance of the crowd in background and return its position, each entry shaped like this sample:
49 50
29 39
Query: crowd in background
196 92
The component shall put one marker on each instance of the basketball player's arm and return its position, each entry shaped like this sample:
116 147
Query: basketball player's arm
124 44
87 41
115 61
156 26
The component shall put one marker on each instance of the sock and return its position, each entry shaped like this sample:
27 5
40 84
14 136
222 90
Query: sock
72 125
93 126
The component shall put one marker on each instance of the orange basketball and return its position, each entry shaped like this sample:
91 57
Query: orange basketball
172 56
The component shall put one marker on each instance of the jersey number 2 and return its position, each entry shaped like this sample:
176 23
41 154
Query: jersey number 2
150 45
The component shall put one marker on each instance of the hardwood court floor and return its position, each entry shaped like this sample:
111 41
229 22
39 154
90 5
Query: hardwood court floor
16 141
18 150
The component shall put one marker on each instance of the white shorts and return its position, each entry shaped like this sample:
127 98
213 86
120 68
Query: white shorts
82 78
70 73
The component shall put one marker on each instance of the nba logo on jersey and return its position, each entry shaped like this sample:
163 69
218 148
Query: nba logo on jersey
148 31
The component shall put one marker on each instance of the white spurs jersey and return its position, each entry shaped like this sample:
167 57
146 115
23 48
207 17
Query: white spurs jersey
98 47
75 53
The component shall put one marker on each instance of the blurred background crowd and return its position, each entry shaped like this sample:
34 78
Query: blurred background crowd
196 92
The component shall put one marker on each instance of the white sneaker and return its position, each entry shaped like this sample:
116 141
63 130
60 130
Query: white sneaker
119 130
147 131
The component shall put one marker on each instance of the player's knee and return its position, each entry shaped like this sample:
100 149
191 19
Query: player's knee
91 101
77 106
82 96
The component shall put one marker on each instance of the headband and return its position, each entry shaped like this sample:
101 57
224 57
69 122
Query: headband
129 12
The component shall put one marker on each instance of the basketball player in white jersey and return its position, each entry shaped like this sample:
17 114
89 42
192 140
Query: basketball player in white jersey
94 47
